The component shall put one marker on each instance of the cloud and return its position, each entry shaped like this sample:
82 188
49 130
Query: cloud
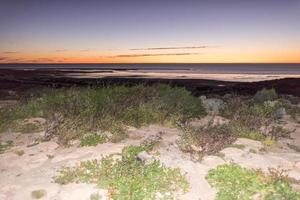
171 48
10 52
3 58
61 50
153 54
80 50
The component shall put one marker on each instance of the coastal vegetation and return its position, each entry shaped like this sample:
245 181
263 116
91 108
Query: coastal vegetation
127 177
73 112
160 120
256 118
235 182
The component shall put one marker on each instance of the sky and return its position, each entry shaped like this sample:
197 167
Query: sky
152 31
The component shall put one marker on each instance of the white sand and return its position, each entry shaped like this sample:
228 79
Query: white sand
183 74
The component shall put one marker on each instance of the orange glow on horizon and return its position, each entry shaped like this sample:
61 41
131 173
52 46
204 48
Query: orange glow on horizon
217 56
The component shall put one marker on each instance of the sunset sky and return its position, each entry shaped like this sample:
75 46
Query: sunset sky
140 31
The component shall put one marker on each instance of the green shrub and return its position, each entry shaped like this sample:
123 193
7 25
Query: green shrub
235 182
106 108
247 119
205 140
128 178
92 140
5 145
38 194
265 95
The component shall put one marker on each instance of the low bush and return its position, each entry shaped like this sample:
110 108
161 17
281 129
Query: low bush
205 140
127 178
251 120
235 182
265 95
5 145
105 108
38 194
92 140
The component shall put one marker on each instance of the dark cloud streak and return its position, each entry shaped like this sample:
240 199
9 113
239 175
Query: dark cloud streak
170 48
3 58
156 54
10 52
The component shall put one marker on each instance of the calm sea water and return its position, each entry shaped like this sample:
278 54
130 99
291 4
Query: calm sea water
195 68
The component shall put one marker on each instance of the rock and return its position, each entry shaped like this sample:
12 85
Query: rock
212 161
12 93
209 121
270 103
227 96
196 148
145 158
280 113
75 143
106 134
212 105
5 103
248 143
52 125
77 191
297 165
257 196
152 139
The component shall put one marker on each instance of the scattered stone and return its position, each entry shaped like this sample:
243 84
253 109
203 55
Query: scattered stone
212 161
270 103
280 113
145 158
248 143
5 103
34 143
196 148
52 125
227 96
75 143
297 165
209 121
106 134
152 139
19 152
12 93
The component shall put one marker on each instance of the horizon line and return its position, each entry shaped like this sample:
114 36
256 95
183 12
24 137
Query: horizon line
56 63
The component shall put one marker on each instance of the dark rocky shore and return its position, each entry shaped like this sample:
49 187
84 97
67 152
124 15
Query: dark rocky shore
22 79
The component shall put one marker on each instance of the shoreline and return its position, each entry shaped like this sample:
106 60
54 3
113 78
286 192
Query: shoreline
196 83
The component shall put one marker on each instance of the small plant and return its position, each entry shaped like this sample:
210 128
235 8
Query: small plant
205 140
27 127
6 145
265 95
95 196
19 152
238 146
235 182
50 156
92 140
128 178
240 130
294 147
252 151
269 143
38 194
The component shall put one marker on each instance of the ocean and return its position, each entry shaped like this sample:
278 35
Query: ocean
193 68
